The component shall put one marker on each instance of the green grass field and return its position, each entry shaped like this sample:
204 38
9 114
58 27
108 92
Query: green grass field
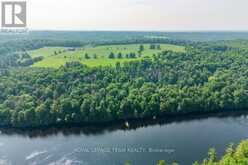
98 56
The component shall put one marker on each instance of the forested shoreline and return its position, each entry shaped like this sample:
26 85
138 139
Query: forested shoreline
233 156
205 78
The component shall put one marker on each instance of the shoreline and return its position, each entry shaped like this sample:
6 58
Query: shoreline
99 128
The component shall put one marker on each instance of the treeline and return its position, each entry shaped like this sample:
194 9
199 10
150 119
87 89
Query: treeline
152 41
169 83
233 156
11 52
24 45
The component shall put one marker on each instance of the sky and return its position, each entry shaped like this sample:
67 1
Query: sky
141 15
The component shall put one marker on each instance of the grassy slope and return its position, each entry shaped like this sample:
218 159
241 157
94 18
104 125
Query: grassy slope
101 52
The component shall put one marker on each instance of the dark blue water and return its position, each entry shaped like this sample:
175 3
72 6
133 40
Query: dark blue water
181 141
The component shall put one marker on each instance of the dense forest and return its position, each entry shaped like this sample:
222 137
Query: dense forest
233 156
103 36
208 77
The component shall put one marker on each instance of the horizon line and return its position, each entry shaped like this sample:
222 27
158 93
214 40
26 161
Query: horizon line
120 30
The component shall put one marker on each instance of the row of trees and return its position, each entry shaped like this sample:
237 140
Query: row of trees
120 55
154 46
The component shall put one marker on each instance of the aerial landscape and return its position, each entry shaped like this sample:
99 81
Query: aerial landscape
132 85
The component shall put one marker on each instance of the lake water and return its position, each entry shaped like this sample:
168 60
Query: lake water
144 143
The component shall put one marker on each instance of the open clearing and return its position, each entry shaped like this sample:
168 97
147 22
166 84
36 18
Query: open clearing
96 56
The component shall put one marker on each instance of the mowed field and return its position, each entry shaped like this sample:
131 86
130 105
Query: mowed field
96 56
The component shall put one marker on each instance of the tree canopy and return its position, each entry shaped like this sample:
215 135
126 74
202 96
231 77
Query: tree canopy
206 78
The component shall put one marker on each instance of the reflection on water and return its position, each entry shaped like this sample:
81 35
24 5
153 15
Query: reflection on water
133 125
182 140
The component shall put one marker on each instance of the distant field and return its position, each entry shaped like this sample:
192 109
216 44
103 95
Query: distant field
96 56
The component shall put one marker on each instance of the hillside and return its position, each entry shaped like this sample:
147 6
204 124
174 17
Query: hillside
99 55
